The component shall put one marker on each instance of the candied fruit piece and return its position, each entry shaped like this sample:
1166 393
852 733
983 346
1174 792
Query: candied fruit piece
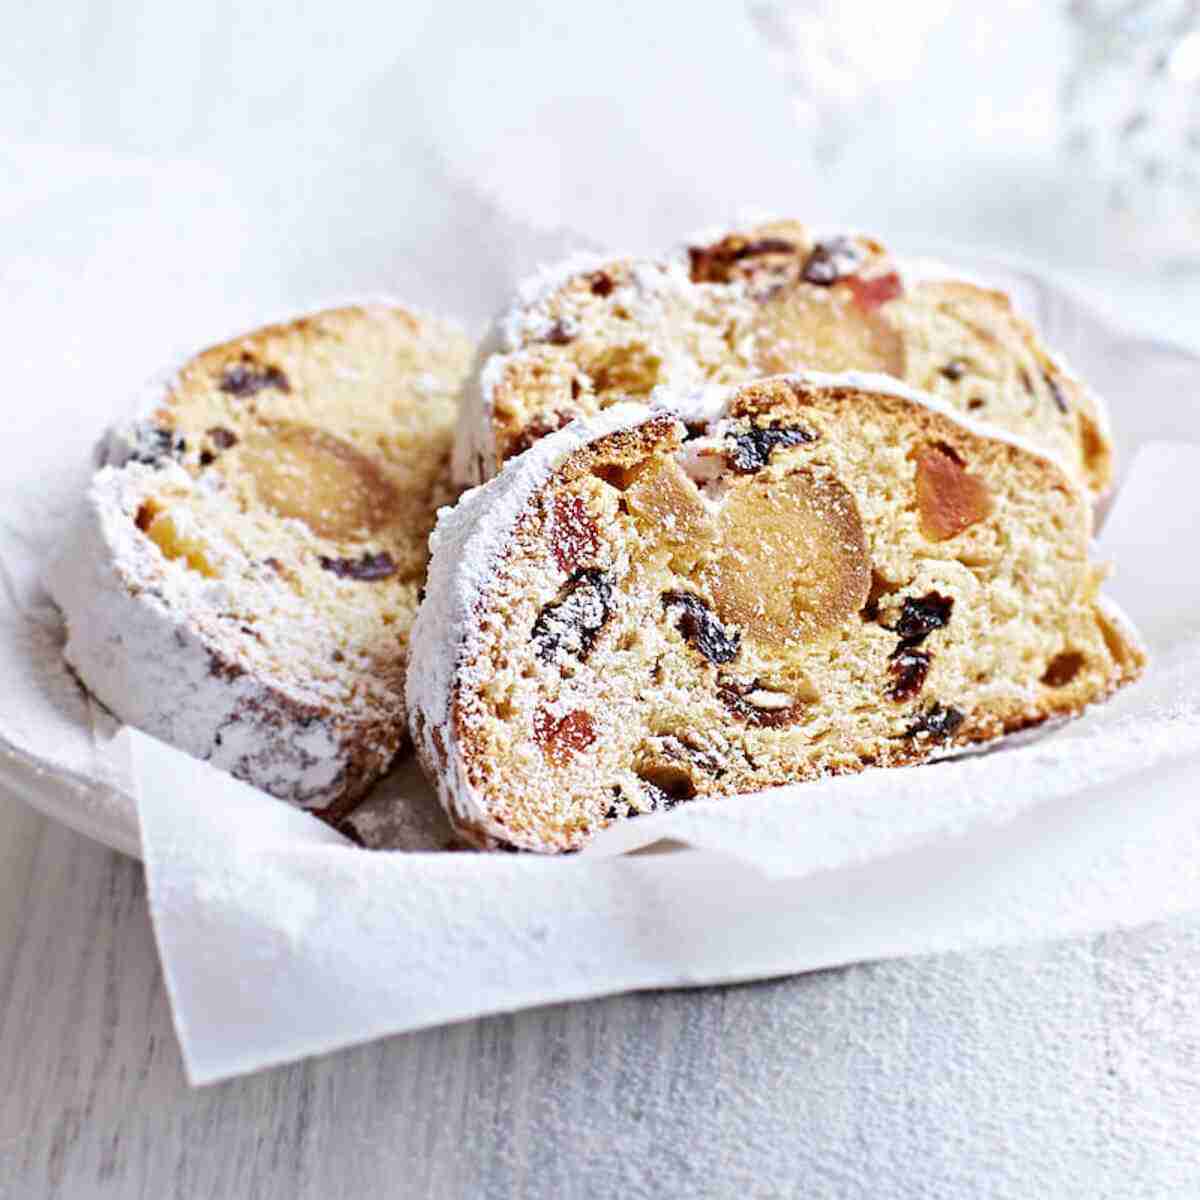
869 294
660 491
823 329
330 485
764 706
163 531
700 627
795 562
573 621
949 499
562 737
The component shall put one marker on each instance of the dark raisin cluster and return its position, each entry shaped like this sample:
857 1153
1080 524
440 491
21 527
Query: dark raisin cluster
938 721
369 567
919 617
701 627
751 451
153 445
573 621
246 378
832 260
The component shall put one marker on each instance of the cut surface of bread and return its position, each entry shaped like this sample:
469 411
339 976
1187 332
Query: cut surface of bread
807 576
767 299
246 569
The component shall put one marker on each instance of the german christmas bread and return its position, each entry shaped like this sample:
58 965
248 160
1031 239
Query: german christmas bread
772 298
807 576
243 577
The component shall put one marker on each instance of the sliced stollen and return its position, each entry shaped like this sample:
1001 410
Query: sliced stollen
773 298
806 576
243 576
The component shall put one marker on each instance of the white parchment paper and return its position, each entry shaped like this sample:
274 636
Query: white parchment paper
279 939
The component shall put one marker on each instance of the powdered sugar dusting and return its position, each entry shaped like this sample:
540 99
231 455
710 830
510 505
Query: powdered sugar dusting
465 546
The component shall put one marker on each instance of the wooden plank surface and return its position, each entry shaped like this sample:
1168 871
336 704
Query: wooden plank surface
1050 1070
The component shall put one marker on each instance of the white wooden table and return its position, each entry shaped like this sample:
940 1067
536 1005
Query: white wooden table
1070 1069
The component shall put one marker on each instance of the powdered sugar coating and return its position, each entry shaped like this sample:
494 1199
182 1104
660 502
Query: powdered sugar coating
465 546
132 636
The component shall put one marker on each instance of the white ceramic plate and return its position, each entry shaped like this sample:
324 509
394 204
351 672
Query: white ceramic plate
62 764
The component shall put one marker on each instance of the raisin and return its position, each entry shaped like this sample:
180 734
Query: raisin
222 438
832 260
702 628
713 264
1063 668
920 617
573 622
562 737
369 567
154 445
909 668
246 378
573 534
752 450
601 283
557 335
937 721
954 370
1060 398
207 458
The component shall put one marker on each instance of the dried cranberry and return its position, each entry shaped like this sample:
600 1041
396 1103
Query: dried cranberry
752 449
562 737
573 622
832 260
920 617
601 283
370 567
869 294
702 628
572 532
246 378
